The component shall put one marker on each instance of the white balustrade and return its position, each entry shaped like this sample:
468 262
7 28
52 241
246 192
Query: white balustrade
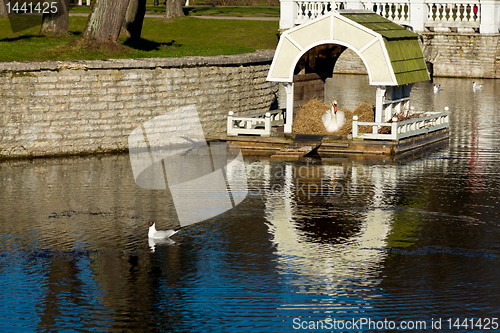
463 15
397 11
257 124
437 15
433 121
309 10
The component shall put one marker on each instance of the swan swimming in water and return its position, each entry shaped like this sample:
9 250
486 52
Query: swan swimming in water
333 119
476 86
158 234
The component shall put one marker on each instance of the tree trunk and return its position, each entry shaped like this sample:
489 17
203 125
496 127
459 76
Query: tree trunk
3 10
56 22
134 18
105 20
174 8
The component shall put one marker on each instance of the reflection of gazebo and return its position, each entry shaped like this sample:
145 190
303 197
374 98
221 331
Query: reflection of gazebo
306 55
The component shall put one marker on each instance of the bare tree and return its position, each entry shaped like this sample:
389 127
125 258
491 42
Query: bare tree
134 18
174 8
56 20
105 20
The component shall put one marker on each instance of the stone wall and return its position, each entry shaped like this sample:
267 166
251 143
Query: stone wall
463 55
447 54
349 63
307 87
54 108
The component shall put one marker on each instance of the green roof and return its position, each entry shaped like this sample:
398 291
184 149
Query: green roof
402 45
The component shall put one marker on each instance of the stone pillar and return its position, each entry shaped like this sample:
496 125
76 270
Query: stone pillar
489 17
289 107
356 4
288 12
418 14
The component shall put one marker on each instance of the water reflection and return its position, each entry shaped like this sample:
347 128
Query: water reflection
415 240
321 248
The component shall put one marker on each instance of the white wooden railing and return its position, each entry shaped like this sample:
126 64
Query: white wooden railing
257 124
433 121
435 15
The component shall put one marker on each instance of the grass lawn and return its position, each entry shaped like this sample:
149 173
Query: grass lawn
186 36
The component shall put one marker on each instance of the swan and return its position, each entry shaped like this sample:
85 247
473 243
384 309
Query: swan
333 119
437 87
158 234
476 86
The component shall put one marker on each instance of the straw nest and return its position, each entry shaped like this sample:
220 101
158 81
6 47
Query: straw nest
308 119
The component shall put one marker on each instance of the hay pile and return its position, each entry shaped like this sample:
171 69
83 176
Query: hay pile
308 119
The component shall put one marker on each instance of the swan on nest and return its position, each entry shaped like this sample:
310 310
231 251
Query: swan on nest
333 119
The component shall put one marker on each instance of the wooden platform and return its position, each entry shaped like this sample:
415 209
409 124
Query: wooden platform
335 147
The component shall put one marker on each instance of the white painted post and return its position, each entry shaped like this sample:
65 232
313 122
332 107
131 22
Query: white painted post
394 131
267 124
490 22
355 126
418 14
289 107
446 118
288 13
230 123
88 2
379 105
79 2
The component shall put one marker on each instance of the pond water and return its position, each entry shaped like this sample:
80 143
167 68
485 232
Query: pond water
346 246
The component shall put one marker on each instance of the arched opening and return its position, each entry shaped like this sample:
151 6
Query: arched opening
311 72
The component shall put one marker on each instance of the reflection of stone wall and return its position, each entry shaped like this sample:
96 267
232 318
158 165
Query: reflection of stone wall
50 108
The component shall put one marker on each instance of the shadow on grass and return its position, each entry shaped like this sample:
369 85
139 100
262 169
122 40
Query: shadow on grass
49 35
23 37
147 45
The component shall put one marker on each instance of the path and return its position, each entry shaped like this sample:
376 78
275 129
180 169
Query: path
242 18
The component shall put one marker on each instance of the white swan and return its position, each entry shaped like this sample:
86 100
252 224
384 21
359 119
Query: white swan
437 87
333 119
157 234
476 86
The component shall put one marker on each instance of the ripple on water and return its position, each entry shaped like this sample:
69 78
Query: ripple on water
421 240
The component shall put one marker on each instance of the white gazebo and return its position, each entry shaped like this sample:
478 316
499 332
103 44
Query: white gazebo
391 54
